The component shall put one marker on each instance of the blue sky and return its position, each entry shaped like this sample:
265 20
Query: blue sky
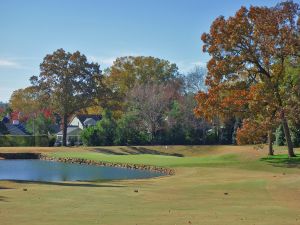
104 30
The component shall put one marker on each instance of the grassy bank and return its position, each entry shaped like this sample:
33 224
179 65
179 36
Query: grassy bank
213 185
156 160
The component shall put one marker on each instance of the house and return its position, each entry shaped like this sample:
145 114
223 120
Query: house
15 128
76 125
83 121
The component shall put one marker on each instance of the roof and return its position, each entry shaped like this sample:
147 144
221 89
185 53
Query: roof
54 128
83 117
70 130
15 130
89 121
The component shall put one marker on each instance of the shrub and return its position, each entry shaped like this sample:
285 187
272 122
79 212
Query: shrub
127 132
101 134
14 141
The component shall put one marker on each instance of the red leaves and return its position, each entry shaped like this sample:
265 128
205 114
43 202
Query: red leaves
251 132
248 53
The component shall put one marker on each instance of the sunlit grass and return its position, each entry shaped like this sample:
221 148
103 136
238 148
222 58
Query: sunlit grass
155 160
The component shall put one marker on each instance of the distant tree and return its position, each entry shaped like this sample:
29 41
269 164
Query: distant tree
69 82
39 124
254 45
279 135
26 101
129 131
151 102
195 80
126 72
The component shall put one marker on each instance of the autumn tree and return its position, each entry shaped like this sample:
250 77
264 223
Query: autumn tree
26 101
151 102
70 83
128 71
254 45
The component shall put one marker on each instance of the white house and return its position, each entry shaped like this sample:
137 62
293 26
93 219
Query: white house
83 121
76 125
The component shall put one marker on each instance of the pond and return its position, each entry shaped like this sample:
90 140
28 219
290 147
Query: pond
48 171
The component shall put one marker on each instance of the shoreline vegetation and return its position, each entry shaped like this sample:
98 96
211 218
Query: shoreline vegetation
165 171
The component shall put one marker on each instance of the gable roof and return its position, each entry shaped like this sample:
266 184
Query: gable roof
15 130
83 117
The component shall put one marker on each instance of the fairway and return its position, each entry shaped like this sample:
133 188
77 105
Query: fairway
228 185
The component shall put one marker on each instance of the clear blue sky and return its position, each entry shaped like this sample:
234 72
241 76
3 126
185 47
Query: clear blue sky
104 30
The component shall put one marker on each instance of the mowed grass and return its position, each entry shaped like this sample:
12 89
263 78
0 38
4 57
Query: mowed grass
213 185
156 160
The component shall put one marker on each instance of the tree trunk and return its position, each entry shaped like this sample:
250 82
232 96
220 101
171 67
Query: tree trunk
270 143
286 128
287 134
65 127
235 128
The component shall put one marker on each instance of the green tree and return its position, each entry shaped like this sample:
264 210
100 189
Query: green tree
128 131
39 125
101 134
279 136
69 83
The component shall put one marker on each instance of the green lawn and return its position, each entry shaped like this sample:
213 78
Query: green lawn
213 185
155 160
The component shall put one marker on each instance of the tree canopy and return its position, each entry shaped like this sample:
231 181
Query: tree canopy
250 51
68 82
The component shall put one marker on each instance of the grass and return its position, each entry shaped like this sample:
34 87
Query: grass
282 159
213 185
156 160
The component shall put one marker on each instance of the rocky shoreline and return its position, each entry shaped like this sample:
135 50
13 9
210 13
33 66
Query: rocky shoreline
166 171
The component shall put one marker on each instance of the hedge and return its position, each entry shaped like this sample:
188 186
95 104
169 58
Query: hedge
18 141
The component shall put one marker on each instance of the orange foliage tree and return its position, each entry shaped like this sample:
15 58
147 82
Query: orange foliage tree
248 53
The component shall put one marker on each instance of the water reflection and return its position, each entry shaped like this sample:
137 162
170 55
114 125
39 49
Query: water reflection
38 170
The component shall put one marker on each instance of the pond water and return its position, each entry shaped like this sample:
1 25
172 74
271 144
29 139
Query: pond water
48 171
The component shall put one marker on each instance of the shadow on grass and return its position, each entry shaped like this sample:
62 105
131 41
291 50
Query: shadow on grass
108 151
3 199
75 184
142 150
131 150
283 161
